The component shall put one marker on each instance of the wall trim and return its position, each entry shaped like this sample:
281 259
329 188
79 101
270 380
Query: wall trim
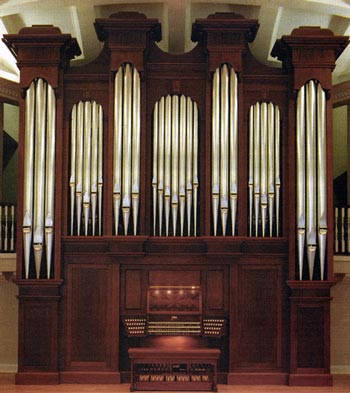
340 369
8 368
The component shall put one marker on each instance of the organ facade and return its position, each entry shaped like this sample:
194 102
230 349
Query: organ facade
175 202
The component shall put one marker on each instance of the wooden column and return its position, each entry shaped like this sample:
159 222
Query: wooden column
41 52
309 53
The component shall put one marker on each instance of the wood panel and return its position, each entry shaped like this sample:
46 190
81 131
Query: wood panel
133 290
259 316
92 316
216 290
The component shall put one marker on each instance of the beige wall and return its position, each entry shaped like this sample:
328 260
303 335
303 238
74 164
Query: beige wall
8 325
340 327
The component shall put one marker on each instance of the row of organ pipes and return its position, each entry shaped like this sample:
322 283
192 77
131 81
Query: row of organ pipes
264 180
311 177
175 166
86 174
7 228
39 175
127 139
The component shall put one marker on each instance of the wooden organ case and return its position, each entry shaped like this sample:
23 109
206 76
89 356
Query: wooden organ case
149 170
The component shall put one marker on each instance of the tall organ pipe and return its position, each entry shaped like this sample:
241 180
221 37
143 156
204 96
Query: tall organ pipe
189 154
155 167
94 163
322 176
233 148
311 175
161 162
251 167
300 171
27 226
127 140
271 163
224 146
100 168
256 165
136 140
182 162
79 164
215 148
175 160
175 137
39 173
72 179
277 167
50 176
263 166
117 156
87 164
195 168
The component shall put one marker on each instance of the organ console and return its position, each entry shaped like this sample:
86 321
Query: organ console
174 225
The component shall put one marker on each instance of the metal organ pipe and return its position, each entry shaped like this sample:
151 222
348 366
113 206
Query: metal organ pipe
50 176
86 178
264 169
126 154
311 177
322 176
182 162
39 175
233 148
94 164
300 173
175 167
224 148
117 156
28 176
189 161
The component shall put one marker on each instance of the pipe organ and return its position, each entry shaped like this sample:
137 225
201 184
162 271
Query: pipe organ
175 204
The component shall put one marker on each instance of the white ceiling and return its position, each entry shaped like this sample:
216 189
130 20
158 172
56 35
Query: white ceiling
276 18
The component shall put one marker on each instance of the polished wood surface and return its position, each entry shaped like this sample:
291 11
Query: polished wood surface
7 384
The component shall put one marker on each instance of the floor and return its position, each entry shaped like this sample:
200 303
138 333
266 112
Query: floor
7 385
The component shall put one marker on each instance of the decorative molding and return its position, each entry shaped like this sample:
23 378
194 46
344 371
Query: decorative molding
341 94
9 90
